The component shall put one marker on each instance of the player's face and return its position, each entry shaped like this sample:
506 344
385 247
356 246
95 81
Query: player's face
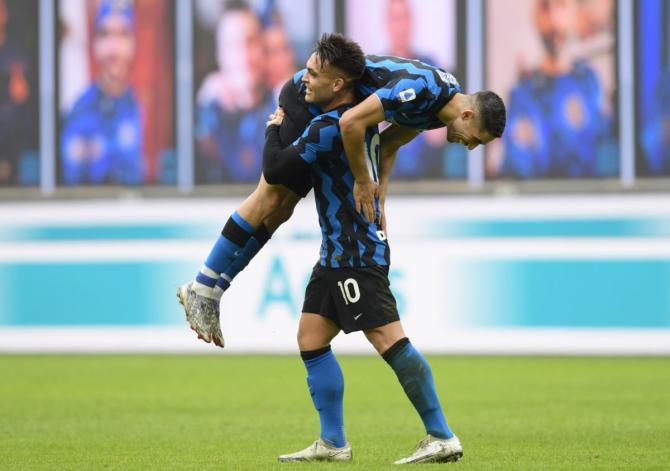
466 130
320 81
115 47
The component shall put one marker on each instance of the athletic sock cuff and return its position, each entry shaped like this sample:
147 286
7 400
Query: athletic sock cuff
312 354
243 223
205 280
394 349
262 235
235 233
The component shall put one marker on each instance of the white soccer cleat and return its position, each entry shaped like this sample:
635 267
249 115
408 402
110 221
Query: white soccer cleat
320 451
202 314
435 450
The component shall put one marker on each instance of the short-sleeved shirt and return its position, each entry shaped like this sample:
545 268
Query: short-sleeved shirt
348 239
411 92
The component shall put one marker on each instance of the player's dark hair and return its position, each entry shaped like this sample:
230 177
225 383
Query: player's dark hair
491 112
342 53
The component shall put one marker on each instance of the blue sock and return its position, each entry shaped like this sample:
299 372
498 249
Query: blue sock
326 385
416 379
233 238
254 244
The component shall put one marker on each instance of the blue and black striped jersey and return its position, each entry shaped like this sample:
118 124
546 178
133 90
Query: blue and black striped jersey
411 92
348 239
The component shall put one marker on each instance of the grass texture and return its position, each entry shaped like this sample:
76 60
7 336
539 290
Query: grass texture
228 412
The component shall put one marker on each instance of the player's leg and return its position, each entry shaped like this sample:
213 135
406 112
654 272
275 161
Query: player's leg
241 226
243 235
326 386
324 376
247 230
282 202
415 376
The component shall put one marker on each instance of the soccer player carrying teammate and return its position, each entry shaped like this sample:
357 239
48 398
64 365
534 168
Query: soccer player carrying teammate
349 287
411 95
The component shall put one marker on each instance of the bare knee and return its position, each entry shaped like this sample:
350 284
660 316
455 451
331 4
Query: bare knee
382 338
315 332
308 340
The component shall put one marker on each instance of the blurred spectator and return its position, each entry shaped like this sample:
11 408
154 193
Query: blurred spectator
423 156
18 111
656 130
400 30
102 135
556 119
653 48
233 102
280 59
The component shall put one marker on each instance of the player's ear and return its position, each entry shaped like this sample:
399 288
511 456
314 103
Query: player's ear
338 84
467 114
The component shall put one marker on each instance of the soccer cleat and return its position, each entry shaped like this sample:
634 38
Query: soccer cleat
320 451
435 450
202 314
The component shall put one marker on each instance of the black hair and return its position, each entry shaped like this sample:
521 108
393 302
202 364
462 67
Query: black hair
341 52
491 112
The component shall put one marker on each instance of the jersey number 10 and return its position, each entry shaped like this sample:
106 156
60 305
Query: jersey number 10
350 291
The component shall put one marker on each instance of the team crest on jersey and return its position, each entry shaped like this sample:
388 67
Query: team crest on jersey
407 95
447 77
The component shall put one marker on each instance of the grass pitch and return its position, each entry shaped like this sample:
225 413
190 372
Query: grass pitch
239 412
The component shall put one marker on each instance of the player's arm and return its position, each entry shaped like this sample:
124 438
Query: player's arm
282 164
392 138
279 162
353 124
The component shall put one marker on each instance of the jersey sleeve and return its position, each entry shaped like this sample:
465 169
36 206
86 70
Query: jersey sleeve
403 95
321 137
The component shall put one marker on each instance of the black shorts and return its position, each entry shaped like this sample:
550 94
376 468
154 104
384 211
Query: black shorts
353 298
296 118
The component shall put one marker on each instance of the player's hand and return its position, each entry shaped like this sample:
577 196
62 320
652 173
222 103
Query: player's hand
276 118
364 197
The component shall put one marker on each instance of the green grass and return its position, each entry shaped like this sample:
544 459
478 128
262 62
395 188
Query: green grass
239 412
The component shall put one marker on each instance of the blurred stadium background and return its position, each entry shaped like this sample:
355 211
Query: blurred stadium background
126 142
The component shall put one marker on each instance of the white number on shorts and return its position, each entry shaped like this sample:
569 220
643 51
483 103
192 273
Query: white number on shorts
350 291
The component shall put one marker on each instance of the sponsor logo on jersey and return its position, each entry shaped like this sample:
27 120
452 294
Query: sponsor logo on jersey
447 77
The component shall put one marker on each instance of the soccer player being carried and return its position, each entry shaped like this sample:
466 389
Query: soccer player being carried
411 95
349 288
